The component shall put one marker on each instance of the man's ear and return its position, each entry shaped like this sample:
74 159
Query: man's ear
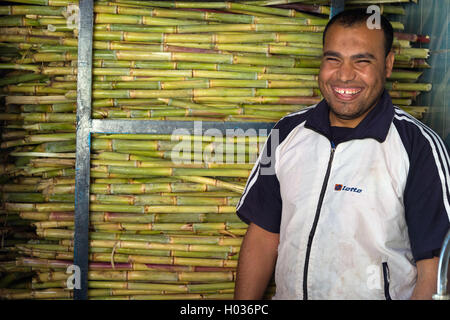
389 63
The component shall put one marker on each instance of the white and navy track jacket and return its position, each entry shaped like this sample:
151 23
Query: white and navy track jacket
355 208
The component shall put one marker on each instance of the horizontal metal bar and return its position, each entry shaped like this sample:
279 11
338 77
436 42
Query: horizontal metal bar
178 127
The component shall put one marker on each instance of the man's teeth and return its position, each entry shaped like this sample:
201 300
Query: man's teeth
347 91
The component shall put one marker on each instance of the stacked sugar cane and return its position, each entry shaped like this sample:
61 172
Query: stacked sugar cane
162 60
163 222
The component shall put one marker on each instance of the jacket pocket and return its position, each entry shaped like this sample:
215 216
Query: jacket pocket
386 279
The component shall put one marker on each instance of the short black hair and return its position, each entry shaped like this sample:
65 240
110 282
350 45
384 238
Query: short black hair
348 18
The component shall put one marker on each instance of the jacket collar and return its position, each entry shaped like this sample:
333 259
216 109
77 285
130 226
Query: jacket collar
375 125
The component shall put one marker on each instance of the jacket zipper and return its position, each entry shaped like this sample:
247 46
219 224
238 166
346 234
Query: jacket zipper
316 220
386 278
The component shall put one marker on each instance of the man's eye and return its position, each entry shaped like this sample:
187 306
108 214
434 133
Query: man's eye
331 59
363 61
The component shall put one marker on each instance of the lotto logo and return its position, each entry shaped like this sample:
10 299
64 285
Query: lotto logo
340 187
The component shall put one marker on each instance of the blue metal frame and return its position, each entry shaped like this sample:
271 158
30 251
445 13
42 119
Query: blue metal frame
336 7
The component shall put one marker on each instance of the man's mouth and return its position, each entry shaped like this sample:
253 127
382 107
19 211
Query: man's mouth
346 93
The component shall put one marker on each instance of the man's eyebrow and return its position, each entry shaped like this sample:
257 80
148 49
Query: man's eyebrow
365 55
332 53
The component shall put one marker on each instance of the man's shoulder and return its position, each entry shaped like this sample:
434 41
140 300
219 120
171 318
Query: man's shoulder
297 115
289 122
416 135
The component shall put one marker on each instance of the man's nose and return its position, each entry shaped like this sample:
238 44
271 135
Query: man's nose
346 72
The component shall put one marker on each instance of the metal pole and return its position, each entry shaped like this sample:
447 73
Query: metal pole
82 166
444 256
336 7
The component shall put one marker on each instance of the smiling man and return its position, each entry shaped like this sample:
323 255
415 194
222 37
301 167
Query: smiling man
356 62
350 197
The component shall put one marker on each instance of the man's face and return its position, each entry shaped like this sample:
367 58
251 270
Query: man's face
353 72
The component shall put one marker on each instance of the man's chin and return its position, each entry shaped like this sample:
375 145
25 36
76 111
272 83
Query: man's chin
346 117
344 111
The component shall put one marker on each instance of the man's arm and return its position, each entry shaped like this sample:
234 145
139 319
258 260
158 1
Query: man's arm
257 259
426 284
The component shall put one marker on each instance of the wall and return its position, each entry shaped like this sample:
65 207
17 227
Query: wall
431 17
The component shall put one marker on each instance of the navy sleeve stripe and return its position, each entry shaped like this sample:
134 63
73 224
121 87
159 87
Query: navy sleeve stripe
251 180
443 154
429 130
439 150
253 176
439 153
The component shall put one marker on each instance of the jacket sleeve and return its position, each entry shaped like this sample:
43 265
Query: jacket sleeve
426 196
261 201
